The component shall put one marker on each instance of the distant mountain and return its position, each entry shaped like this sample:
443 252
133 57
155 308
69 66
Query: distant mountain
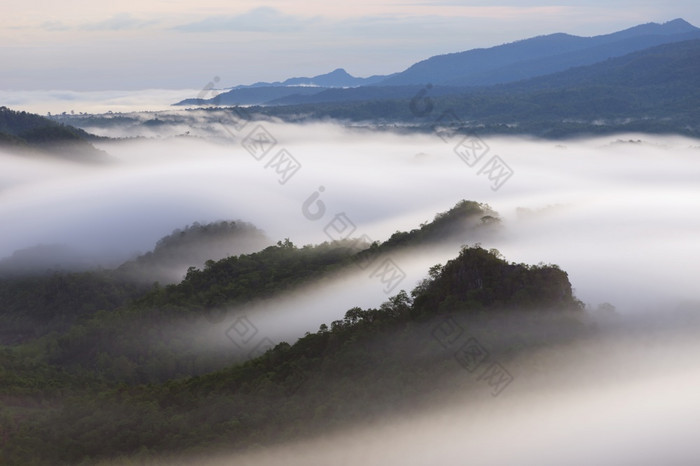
653 90
27 131
459 72
674 67
263 92
538 56
252 95
336 78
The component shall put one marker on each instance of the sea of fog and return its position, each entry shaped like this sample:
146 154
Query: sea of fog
618 213
624 397
58 101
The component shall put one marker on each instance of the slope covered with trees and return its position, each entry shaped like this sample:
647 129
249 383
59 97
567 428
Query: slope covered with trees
27 131
37 298
369 363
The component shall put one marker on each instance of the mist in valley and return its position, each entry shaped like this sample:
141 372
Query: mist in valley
618 214
617 390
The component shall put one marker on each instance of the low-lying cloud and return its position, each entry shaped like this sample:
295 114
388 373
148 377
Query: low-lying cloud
617 213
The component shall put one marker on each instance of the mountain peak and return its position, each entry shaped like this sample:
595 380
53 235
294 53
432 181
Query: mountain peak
338 72
678 25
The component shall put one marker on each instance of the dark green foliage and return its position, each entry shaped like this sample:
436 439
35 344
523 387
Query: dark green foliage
31 306
78 397
35 302
193 246
207 295
480 279
238 279
366 364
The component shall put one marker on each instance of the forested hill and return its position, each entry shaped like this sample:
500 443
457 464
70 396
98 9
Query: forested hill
364 365
193 246
236 279
27 131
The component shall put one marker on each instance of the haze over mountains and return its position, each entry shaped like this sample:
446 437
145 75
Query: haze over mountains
538 56
528 58
349 318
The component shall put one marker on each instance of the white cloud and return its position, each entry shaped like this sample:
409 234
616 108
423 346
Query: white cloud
623 229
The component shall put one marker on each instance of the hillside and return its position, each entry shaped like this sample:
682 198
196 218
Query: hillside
653 90
193 246
359 367
538 56
133 328
49 287
27 131
670 66
507 63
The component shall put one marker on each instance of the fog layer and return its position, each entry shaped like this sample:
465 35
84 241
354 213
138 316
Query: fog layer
617 213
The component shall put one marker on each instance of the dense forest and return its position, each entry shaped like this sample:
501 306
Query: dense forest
111 382
38 297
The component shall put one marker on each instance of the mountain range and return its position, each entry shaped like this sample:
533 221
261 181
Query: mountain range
654 90
507 63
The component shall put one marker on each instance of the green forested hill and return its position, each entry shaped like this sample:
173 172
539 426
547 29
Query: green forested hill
22 130
206 296
312 385
117 383
36 298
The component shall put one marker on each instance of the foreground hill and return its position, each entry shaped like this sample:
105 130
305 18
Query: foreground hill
151 332
366 365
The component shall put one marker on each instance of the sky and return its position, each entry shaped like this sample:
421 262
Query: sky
80 45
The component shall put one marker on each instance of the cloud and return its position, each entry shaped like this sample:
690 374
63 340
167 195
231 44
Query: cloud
616 213
622 228
262 19
54 26
58 101
118 22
